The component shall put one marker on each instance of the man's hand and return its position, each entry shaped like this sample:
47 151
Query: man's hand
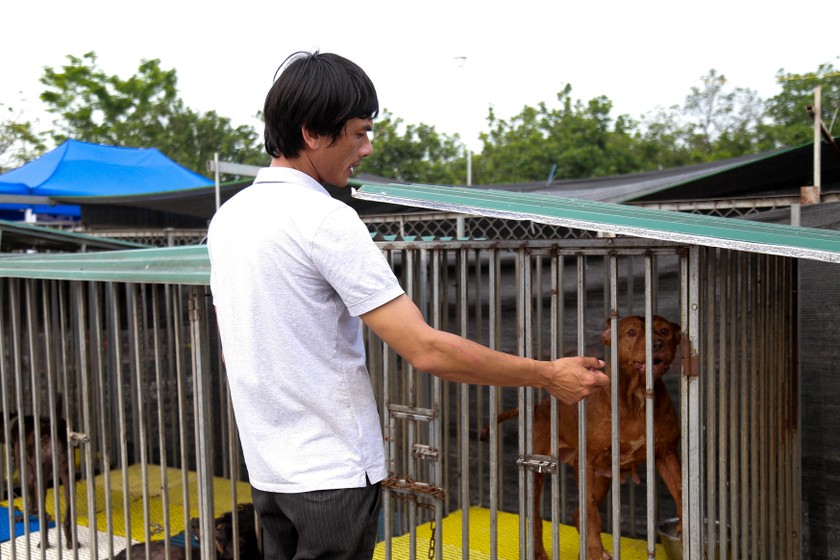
576 377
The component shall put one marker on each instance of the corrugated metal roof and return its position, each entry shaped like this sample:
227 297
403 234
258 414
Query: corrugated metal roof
21 236
666 225
170 265
190 264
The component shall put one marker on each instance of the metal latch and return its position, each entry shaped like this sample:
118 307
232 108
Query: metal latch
421 451
538 463
411 412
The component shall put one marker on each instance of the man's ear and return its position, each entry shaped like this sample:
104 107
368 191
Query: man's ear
311 139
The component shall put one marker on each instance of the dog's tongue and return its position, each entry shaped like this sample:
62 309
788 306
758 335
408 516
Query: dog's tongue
642 366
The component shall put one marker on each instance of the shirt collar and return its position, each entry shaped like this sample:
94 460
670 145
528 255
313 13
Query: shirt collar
288 175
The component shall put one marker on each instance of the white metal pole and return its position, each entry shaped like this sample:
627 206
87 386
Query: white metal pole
817 141
218 185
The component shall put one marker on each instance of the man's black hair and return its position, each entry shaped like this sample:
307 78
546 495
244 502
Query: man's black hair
319 92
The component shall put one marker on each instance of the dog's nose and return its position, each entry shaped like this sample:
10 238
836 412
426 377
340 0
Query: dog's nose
658 345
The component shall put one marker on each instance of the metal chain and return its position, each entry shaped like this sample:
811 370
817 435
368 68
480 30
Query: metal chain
408 490
405 485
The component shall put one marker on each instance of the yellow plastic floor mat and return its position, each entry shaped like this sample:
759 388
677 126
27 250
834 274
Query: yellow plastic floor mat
117 493
508 540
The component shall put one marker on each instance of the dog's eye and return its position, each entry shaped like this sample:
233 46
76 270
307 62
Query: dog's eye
665 332
631 332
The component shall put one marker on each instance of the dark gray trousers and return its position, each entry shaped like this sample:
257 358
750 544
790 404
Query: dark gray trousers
326 524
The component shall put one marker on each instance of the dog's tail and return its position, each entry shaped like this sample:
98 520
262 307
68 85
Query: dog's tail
502 416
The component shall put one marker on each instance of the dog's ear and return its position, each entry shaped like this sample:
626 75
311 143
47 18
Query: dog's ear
606 336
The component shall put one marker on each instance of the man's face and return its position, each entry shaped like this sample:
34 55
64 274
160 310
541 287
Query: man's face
335 162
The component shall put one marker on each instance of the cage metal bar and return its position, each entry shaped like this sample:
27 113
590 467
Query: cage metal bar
733 286
478 334
744 419
52 406
201 382
583 482
528 283
390 455
494 398
690 394
100 444
753 411
649 405
116 344
557 307
36 390
178 336
411 382
724 302
710 413
5 400
15 350
795 401
133 310
163 463
464 418
439 405
526 498
615 409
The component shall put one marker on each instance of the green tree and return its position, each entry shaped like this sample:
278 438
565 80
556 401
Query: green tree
19 142
143 111
721 123
716 122
789 122
659 140
572 141
414 153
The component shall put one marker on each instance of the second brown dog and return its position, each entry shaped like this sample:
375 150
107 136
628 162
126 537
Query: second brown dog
631 406
26 450
223 538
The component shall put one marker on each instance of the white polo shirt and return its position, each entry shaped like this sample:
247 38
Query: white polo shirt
291 270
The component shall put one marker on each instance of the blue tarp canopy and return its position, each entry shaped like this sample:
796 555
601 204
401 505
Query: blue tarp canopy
83 169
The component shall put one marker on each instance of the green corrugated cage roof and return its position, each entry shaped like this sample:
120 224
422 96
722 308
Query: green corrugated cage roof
170 265
664 225
190 264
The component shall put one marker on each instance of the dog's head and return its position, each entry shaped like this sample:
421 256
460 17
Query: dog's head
631 344
224 531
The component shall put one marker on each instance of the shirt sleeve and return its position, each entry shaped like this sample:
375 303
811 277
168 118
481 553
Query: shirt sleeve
347 257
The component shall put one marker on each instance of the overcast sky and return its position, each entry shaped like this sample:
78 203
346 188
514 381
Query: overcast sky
641 55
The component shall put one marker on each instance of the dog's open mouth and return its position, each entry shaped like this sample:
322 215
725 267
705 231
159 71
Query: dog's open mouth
659 366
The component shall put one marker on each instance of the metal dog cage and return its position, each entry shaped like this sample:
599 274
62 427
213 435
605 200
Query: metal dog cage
542 300
126 340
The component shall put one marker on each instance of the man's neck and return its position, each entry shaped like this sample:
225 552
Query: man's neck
302 164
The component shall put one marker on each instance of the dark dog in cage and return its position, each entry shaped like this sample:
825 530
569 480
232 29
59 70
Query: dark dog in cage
52 466
632 356
157 551
249 546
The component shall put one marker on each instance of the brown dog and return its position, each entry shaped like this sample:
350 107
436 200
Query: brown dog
631 390
27 452
249 547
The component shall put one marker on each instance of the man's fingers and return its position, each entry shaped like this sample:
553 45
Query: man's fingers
601 378
595 365
592 363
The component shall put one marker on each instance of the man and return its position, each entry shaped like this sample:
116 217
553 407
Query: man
293 271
